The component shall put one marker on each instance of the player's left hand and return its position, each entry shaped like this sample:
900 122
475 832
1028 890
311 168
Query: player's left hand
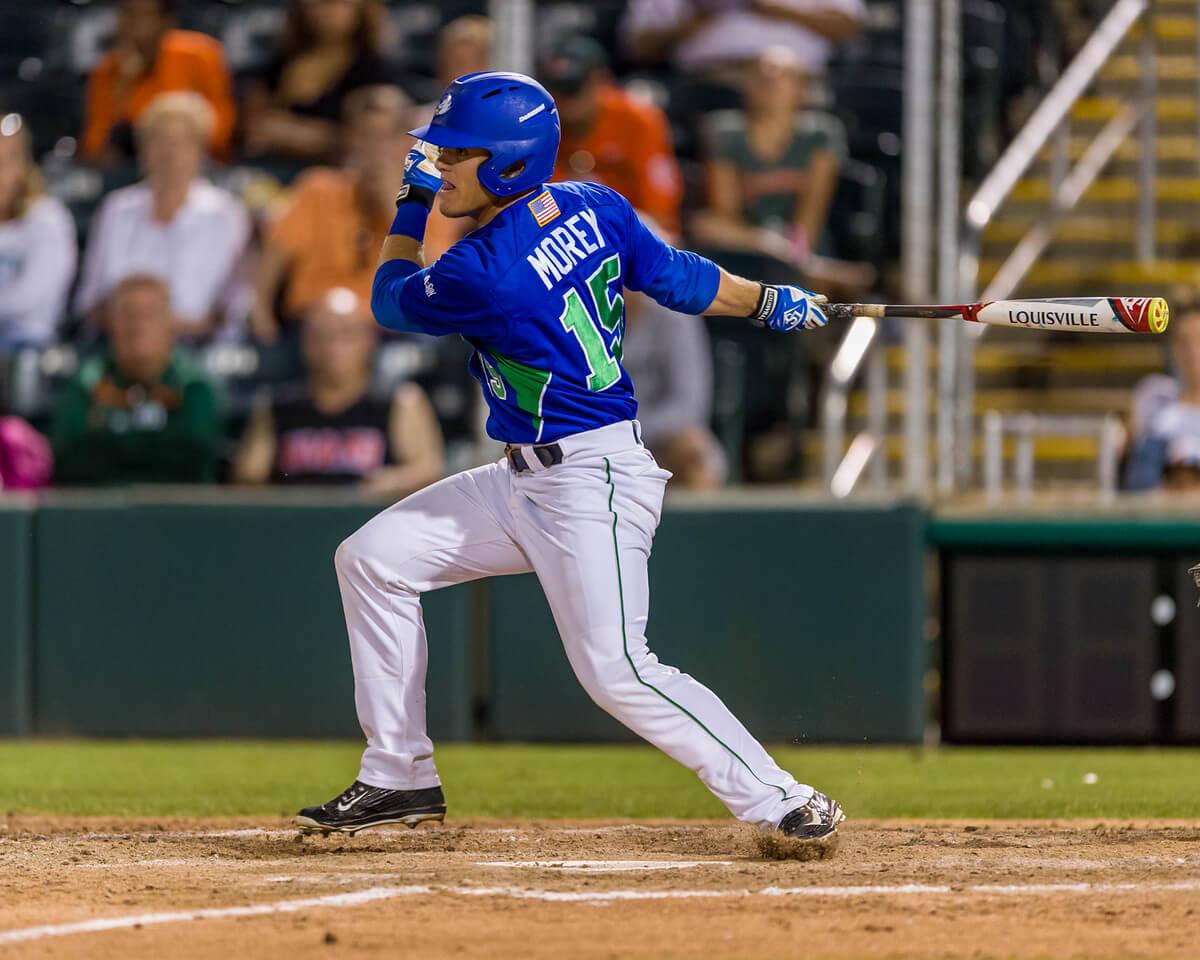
787 308
420 171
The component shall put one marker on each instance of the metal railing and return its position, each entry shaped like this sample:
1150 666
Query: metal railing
841 472
1067 186
1026 427
960 249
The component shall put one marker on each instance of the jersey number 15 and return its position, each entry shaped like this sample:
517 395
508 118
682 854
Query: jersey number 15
604 366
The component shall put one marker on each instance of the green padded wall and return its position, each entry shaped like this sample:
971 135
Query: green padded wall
807 621
16 625
160 619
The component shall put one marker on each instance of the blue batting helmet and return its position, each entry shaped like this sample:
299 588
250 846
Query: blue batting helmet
510 115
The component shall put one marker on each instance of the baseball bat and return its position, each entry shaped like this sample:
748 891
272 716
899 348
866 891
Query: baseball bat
1076 314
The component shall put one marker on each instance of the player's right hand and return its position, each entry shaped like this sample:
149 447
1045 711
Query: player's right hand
788 308
421 175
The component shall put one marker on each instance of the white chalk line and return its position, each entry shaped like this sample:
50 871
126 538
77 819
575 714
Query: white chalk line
101 924
590 898
265 834
223 862
1069 863
603 866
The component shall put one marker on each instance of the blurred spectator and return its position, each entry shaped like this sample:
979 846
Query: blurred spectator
1164 443
332 222
328 49
330 429
37 244
149 57
174 224
610 136
718 38
142 412
26 460
772 170
464 46
669 359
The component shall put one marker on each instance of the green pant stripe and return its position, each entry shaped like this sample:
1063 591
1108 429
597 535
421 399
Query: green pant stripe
612 489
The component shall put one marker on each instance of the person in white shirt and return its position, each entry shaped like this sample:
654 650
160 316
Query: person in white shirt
37 244
716 36
1163 451
174 224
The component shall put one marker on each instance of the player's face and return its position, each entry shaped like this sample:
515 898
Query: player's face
462 195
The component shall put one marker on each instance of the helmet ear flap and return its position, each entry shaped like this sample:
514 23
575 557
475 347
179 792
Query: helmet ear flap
513 170
503 176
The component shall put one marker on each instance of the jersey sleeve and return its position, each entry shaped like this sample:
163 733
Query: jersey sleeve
444 298
678 279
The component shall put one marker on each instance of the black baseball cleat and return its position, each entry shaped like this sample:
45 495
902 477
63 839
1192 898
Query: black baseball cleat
360 806
817 820
806 833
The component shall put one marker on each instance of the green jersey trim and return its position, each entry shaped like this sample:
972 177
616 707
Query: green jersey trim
530 385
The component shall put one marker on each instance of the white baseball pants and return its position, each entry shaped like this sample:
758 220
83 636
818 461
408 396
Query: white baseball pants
584 527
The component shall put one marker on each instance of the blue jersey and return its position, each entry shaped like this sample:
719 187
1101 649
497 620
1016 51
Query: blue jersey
537 291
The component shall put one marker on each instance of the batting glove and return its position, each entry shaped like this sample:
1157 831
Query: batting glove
421 178
788 308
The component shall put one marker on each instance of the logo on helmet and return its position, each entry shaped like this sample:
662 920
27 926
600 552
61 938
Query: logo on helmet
443 105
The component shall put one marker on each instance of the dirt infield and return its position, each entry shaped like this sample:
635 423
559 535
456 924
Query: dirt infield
230 889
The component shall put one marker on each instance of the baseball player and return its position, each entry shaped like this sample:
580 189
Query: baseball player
536 289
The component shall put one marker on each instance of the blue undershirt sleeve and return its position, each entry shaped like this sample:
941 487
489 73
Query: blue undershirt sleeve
390 277
444 298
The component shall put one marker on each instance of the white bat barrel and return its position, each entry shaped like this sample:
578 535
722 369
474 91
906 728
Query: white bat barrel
1077 314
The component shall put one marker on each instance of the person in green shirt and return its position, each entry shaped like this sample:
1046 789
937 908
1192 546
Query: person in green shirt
142 412
772 169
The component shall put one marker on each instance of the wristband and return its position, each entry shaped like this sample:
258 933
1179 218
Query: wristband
410 220
411 193
767 298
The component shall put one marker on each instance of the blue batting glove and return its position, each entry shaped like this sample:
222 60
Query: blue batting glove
788 308
421 177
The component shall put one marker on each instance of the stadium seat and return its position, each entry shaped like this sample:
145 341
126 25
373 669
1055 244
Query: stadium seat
870 104
26 41
881 42
34 376
600 19
454 395
984 36
249 30
52 104
756 374
412 43
86 32
858 213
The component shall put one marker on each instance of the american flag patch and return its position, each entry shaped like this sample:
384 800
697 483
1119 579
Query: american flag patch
543 208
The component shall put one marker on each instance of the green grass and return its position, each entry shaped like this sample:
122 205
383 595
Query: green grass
511 780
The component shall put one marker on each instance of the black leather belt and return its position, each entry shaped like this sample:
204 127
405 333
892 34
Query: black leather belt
549 454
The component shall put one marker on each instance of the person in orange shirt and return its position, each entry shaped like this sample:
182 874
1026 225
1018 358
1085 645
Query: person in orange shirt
150 57
328 230
610 136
